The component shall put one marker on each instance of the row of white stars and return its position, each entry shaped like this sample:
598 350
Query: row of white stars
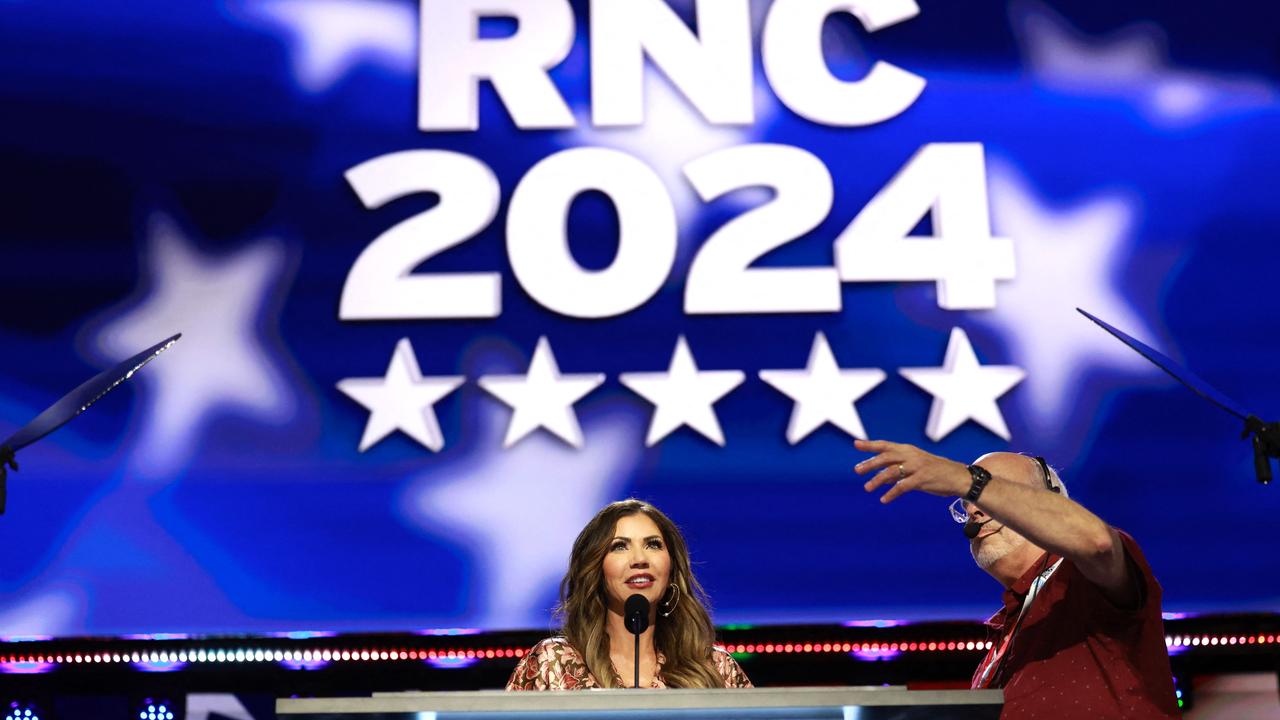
684 395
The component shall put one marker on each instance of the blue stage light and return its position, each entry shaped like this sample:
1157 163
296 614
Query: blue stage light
153 709
21 711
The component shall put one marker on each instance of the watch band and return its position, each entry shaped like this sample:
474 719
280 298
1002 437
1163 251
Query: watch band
980 479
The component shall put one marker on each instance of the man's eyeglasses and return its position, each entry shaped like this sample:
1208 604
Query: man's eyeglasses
958 511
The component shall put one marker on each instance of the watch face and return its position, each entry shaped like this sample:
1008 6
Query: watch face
980 479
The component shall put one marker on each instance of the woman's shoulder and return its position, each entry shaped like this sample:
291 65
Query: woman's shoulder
552 664
729 669
555 646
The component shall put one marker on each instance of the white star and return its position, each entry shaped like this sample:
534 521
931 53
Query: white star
1066 259
963 389
517 518
220 305
329 37
1131 63
683 395
542 397
823 392
401 400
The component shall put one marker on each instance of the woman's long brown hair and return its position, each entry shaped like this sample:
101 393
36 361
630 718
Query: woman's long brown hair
684 638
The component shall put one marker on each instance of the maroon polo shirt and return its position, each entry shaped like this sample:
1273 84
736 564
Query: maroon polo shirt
1075 654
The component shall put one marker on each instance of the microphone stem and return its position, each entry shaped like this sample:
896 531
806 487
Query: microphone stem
637 667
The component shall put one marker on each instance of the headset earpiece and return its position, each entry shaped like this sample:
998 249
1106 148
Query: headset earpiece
1047 474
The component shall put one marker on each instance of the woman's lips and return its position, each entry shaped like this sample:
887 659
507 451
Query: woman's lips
640 581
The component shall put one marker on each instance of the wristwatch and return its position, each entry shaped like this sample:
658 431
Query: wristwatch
980 479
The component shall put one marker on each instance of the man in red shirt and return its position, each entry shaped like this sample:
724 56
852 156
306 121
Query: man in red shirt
1080 634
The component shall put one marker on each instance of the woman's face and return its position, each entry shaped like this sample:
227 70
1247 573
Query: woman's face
636 561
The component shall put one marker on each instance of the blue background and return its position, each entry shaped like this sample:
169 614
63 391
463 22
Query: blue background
179 167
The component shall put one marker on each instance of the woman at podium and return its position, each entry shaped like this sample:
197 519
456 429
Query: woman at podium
629 548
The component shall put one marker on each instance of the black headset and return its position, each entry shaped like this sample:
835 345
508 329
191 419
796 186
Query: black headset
1047 475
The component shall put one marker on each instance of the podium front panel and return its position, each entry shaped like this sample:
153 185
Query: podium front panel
876 703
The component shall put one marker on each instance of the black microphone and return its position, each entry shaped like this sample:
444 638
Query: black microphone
636 612
971 528
636 616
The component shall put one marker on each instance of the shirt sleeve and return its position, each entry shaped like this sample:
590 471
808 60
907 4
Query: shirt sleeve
552 664
528 672
1147 583
729 669
1149 591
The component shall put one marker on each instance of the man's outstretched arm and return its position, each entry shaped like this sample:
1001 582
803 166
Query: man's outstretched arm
1047 519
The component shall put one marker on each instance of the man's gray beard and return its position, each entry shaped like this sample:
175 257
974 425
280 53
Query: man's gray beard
989 553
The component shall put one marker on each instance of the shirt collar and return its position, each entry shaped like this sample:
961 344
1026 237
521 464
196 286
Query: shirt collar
1017 592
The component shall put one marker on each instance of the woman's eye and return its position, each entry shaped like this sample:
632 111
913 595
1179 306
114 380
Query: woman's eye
618 546
655 544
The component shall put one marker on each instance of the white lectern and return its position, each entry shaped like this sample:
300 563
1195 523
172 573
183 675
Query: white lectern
801 703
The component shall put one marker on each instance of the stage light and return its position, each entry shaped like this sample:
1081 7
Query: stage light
155 709
21 711
158 665
451 663
1182 693
294 657
303 663
875 623
305 634
448 632
27 666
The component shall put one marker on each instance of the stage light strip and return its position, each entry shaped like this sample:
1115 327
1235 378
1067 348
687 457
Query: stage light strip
47 662
1187 641
847 647
247 655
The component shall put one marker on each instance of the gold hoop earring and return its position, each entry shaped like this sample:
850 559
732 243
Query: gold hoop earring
668 605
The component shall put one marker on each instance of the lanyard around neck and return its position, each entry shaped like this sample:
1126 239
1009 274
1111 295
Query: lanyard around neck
993 659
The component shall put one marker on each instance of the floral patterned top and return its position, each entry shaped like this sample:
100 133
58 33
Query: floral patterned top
554 664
